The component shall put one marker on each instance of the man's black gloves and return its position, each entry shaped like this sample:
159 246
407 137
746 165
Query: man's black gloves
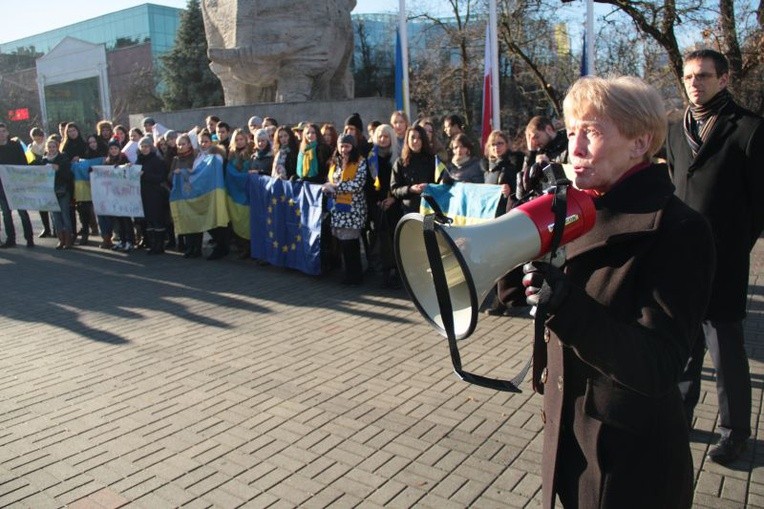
530 182
545 284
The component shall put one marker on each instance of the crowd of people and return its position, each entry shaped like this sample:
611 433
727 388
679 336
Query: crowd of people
371 177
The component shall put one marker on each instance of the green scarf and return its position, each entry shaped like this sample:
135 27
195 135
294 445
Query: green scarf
307 161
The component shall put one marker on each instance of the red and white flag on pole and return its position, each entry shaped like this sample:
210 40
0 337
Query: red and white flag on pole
487 126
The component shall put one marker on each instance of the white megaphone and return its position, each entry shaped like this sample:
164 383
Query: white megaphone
475 257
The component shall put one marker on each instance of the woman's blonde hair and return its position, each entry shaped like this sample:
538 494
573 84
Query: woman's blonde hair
635 107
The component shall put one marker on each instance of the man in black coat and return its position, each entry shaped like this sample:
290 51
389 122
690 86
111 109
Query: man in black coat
716 159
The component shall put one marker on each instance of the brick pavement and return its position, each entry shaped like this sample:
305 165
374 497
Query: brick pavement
130 380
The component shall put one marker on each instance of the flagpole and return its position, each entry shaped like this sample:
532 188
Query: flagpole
590 37
404 36
494 24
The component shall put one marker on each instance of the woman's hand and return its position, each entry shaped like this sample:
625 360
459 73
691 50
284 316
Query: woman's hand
505 190
417 188
387 203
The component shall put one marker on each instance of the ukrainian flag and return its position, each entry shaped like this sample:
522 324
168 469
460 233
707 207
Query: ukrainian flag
198 198
464 203
237 198
81 170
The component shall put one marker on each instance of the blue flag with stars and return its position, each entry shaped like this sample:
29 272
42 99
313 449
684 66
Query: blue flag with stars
285 223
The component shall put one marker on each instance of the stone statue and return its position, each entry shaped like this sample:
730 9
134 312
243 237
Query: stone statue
280 50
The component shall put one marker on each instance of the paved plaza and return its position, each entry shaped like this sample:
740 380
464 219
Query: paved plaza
155 381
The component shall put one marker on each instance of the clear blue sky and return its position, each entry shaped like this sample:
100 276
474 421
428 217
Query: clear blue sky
20 19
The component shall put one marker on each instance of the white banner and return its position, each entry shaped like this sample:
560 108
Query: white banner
29 187
117 190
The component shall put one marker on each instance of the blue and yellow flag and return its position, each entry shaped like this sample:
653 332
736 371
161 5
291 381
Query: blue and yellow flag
286 223
237 198
198 197
464 203
81 170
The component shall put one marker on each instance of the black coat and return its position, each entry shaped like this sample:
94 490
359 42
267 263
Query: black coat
153 191
420 170
615 433
725 183
63 182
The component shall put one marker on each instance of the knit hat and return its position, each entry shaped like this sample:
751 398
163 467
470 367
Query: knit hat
114 143
146 140
355 121
347 138
148 120
170 135
255 121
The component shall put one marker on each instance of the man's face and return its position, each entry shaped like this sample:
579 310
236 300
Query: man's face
450 129
540 138
701 81
222 133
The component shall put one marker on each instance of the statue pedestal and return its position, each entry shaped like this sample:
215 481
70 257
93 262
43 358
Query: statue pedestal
319 112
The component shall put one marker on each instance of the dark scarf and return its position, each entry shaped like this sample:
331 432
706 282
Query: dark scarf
705 114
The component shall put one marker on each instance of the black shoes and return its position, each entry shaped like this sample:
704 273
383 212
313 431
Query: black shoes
45 234
7 244
727 450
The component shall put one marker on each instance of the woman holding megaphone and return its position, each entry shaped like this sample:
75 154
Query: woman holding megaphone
622 312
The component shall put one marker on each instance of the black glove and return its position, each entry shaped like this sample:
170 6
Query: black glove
530 182
545 284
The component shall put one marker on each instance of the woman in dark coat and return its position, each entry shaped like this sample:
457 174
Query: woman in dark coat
63 183
153 194
622 313
413 170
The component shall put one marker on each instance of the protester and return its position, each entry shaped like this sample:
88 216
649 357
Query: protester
386 208
238 167
122 135
621 314
262 157
114 157
330 135
354 127
413 170
153 195
464 166
63 184
453 125
11 152
183 163
285 150
346 184
400 122
37 150
313 156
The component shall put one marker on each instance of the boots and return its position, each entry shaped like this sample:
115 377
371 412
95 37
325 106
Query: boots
61 241
193 245
351 256
148 240
106 242
156 241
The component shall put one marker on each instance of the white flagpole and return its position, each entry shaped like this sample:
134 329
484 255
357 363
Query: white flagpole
590 37
404 35
494 23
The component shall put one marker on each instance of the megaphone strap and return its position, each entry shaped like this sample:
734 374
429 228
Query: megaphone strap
538 359
446 313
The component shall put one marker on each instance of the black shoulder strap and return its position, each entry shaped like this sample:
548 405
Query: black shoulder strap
559 206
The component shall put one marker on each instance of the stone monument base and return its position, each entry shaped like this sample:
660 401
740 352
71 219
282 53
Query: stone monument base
319 112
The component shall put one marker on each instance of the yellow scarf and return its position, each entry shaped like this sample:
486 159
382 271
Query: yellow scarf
344 200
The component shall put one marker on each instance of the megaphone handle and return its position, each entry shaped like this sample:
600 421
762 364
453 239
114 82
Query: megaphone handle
447 314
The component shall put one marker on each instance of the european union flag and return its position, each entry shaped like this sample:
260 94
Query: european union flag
285 220
464 203
81 171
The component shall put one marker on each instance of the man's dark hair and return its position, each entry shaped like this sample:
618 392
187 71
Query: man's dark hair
721 64
224 126
454 119
538 123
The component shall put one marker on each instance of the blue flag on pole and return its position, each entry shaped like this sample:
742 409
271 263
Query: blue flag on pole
285 219
584 60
